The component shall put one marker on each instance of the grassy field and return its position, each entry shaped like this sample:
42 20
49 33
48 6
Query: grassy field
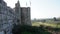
45 24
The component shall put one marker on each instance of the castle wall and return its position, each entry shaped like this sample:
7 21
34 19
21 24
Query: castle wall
6 19
25 16
18 12
9 17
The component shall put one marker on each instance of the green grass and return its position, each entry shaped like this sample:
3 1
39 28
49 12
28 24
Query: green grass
45 24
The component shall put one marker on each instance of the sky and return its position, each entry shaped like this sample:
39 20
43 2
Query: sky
39 8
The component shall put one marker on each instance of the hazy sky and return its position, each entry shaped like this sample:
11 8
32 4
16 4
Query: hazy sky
40 8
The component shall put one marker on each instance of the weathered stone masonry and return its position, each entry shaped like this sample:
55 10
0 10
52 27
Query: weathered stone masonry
9 17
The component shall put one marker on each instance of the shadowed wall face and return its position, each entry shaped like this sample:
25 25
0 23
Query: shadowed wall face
18 12
25 16
1 1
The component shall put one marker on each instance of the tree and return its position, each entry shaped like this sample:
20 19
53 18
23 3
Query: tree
54 18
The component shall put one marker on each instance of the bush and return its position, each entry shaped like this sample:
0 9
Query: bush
27 30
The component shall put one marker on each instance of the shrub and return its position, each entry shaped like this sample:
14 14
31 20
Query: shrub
27 30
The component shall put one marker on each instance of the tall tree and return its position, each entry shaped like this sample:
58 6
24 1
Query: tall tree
54 18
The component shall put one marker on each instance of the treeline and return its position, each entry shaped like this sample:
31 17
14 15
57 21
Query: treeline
38 20
44 20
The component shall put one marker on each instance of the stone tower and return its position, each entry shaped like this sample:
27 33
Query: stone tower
18 12
25 16
1 1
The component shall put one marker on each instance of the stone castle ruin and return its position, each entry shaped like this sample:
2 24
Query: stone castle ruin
9 17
